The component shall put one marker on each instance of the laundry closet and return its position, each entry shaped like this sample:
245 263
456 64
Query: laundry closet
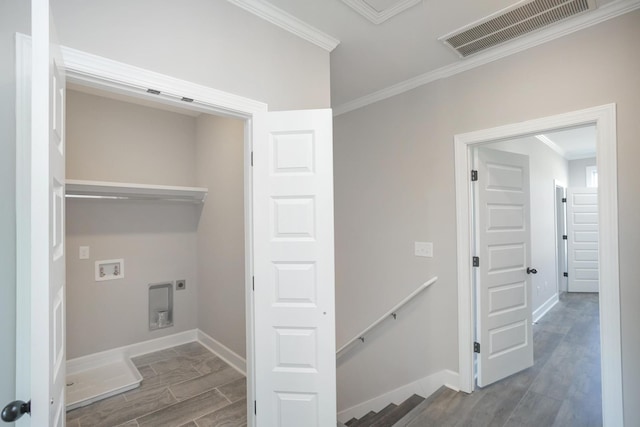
155 231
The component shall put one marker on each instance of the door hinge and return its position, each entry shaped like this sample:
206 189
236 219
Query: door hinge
474 175
565 274
476 347
564 237
252 158
476 261
255 407
564 200
253 283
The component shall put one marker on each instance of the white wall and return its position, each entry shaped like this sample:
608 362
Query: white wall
394 175
221 297
117 141
15 16
210 42
578 172
545 165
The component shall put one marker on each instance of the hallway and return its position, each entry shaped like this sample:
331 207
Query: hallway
562 389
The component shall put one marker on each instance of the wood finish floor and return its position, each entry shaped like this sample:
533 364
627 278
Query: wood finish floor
187 386
562 389
184 386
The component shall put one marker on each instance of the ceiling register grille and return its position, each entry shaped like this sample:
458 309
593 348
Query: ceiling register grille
514 23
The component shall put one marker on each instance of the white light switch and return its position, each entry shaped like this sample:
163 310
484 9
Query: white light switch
84 252
424 249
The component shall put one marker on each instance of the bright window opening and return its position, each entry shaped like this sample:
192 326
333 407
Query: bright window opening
592 176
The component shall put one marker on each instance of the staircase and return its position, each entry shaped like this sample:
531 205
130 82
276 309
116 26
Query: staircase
387 417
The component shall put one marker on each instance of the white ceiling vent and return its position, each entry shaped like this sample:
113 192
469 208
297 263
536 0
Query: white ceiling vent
511 23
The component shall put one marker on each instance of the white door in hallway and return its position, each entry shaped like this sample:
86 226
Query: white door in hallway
582 239
295 359
40 348
503 286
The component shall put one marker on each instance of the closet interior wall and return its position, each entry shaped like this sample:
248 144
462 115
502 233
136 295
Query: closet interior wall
160 241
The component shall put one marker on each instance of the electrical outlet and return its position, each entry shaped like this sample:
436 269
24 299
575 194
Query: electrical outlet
181 285
84 252
424 249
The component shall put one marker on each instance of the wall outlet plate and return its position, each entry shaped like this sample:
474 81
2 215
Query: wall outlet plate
84 252
424 249
181 285
111 269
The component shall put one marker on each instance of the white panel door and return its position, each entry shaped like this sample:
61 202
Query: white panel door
295 358
46 241
503 286
582 239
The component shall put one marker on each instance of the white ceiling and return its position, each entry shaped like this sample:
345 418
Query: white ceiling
371 57
573 143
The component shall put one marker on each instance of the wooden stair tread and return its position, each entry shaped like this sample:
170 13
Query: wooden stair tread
351 421
421 407
399 412
365 420
383 413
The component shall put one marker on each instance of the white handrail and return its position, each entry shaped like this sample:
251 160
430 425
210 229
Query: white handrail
391 312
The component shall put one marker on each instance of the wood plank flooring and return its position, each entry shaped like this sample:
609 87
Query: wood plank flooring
184 386
187 386
562 389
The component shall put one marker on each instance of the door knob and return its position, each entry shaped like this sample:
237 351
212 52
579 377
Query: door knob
531 270
15 410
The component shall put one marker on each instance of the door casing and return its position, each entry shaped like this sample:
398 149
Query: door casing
559 220
102 73
604 118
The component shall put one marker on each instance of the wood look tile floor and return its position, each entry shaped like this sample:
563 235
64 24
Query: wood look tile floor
562 389
184 386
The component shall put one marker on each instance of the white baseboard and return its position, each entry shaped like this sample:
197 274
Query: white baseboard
110 356
424 387
545 307
238 362
126 352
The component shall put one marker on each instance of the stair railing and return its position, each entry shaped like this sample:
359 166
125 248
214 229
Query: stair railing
391 312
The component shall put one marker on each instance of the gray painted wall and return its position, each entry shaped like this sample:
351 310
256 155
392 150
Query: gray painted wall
221 298
112 140
394 175
545 165
578 172
15 16
210 42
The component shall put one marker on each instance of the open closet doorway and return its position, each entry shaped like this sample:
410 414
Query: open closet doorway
515 334
175 309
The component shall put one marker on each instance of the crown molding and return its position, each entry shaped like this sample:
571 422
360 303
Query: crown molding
609 11
574 155
549 143
378 17
288 22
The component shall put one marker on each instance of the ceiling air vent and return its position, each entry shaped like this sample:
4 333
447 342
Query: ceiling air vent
511 23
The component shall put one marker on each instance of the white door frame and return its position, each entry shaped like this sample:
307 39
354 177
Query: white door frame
558 184
102 73
604 117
